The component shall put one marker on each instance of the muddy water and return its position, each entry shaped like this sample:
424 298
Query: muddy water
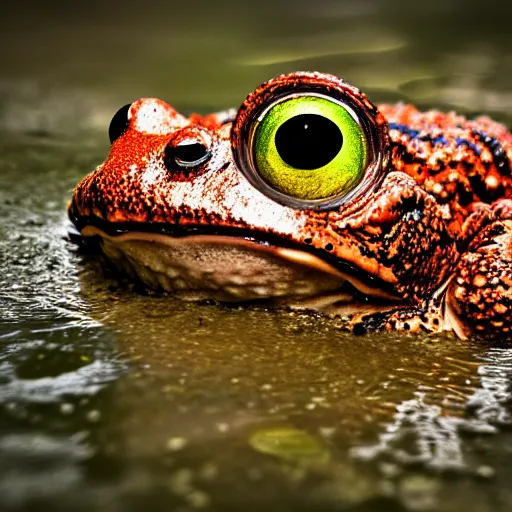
114 399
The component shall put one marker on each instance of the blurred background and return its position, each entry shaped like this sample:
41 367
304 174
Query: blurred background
84 59
114 399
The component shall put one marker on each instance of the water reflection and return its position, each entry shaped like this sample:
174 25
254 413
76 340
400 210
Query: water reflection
208 380
170 395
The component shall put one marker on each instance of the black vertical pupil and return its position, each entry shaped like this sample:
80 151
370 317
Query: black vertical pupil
308 141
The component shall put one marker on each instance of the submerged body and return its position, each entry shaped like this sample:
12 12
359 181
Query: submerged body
311 196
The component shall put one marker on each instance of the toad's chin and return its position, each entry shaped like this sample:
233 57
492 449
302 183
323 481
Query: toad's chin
235 269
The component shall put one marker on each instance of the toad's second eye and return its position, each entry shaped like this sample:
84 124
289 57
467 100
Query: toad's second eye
119 123
309 147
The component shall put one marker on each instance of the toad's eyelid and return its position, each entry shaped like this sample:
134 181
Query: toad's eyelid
297 95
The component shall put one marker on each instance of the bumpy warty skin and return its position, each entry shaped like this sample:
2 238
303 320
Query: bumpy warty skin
437 217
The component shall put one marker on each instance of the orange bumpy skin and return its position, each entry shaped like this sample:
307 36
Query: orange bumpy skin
425 244
481 289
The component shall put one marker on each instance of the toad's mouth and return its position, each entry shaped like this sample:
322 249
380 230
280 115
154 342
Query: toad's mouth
233 266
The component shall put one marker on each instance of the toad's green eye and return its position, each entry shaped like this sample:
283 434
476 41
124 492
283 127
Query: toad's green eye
310 141
310 148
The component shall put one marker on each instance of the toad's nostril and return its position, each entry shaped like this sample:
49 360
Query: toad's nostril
187 154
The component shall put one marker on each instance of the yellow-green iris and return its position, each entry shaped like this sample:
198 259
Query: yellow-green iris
296 135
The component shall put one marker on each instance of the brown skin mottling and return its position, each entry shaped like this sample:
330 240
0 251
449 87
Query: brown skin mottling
460 169
425 240
481 289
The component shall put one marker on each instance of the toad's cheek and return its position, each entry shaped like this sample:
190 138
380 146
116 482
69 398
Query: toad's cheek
151 195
